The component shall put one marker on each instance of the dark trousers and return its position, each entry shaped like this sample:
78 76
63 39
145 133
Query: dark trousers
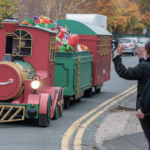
145 123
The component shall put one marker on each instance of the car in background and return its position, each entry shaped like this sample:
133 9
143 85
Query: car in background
142 41
136 39
130 45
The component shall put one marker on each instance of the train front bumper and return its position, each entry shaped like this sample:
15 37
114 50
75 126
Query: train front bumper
12 112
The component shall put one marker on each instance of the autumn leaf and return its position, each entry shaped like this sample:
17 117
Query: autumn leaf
7 9
94 146
123 15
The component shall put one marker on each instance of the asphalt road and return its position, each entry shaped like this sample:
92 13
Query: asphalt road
26 136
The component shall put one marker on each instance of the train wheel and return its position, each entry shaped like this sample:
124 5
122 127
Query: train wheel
44 119
78 100
36 121
97 90
61 107
88 92
57 112
67 102
48 111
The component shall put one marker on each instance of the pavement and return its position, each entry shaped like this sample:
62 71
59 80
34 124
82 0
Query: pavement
129 104
121 129
135 141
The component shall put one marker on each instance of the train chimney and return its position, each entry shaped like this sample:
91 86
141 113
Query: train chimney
10 25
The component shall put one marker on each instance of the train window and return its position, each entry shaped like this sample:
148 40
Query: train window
101 45
105 41
52 49
22 42
104 45
108 45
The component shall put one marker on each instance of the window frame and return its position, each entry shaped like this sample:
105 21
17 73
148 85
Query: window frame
101 45
104 45
22 37
52 49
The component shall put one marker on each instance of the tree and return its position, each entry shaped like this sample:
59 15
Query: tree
123 15
145 11
35 8
8 8
55 9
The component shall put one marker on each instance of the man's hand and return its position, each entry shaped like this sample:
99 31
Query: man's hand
140 52
139 114
119 49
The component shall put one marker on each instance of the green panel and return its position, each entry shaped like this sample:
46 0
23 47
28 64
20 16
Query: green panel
36 107
28 68
83 28
73 54
122 35
66 73
85 74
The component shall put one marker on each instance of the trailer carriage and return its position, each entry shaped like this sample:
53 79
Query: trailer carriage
98 40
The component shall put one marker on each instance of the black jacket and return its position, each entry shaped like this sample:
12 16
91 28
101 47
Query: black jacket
141 72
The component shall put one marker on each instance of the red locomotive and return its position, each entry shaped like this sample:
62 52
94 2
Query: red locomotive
27 79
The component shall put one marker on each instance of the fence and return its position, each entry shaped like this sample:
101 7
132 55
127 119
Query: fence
121 35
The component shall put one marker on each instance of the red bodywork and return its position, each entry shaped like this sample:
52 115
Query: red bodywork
44 68
10 27
101 63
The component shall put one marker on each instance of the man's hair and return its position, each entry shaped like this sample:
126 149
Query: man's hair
147 47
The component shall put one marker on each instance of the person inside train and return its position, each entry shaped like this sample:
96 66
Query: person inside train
141 73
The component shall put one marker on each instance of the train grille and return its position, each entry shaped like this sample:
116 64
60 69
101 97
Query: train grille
10 113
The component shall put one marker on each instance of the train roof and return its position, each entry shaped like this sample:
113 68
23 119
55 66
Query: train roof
77 27
44 29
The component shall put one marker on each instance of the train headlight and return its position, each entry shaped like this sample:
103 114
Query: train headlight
35 84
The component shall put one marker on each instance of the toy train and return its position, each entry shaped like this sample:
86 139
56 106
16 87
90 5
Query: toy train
27 79
36 81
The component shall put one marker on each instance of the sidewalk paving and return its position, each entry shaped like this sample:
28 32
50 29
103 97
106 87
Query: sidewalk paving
135 141
129 104
121 130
